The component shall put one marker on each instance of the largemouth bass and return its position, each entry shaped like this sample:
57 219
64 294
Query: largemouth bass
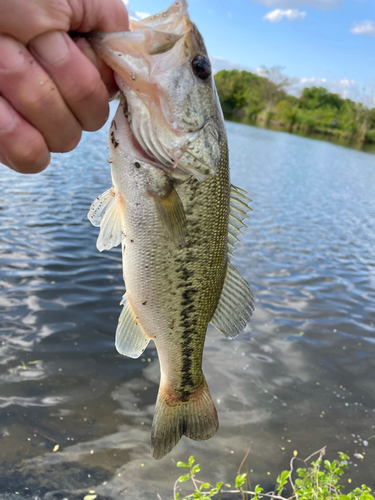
175 213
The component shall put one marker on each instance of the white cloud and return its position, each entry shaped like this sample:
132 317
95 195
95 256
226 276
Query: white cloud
295 4
218 63
277 15
311 82
366 28
135 15
345 87
141 15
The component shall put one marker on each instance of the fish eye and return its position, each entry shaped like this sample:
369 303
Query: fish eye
201 66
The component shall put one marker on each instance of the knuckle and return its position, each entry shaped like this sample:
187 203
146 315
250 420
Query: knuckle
68 143
38 96
89 88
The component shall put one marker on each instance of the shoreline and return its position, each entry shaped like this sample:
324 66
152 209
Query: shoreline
335 136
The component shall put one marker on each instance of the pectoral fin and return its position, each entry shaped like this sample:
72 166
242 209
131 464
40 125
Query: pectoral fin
107 212
172 214
131 340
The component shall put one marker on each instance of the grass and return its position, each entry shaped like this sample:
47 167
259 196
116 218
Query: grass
316 479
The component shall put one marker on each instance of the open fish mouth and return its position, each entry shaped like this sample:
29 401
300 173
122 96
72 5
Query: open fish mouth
153 66
140 56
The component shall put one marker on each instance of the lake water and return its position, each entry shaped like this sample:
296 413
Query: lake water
300 377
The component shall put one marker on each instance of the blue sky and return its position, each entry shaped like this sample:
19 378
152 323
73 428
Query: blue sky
322 42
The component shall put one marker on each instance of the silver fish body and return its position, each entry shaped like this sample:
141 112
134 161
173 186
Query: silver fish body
177 222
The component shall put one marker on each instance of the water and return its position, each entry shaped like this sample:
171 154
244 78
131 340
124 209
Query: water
300 377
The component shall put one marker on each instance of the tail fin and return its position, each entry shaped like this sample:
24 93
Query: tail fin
195 418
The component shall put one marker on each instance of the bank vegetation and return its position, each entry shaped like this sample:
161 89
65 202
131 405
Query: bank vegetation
264 101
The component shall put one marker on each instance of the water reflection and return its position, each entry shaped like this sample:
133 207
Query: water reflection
300 377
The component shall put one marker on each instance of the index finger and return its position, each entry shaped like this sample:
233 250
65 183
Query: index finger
61 15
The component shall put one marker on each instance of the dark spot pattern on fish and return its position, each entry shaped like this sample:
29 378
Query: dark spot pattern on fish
113 139
188 296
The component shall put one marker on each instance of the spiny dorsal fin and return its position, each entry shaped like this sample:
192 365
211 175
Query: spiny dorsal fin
172 214
235 306
107 212
238 209
131 340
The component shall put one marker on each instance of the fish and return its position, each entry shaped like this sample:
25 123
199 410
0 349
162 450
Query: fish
174 212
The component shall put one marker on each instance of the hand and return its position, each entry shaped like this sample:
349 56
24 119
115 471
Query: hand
51 87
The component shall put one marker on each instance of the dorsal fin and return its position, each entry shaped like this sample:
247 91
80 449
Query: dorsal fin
236 303
238 209
131 340
235 306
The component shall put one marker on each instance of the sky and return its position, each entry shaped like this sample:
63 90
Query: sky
328 43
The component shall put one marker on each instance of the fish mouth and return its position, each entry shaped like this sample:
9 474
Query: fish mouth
152 64
130 53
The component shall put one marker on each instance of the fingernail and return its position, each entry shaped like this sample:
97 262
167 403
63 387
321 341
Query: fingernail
51 47
11 53
112 95
7 116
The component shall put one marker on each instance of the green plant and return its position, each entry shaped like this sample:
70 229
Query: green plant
316 480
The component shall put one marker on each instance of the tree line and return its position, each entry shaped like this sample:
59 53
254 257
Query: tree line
264 100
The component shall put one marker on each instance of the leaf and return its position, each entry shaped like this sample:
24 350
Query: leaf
240 480
282 480
89 497
219 485
258 489
206 485
184 478
182 464
195 469
35 362
56 447
191 460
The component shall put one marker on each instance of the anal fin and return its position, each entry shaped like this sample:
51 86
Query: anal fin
131 340
235 306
